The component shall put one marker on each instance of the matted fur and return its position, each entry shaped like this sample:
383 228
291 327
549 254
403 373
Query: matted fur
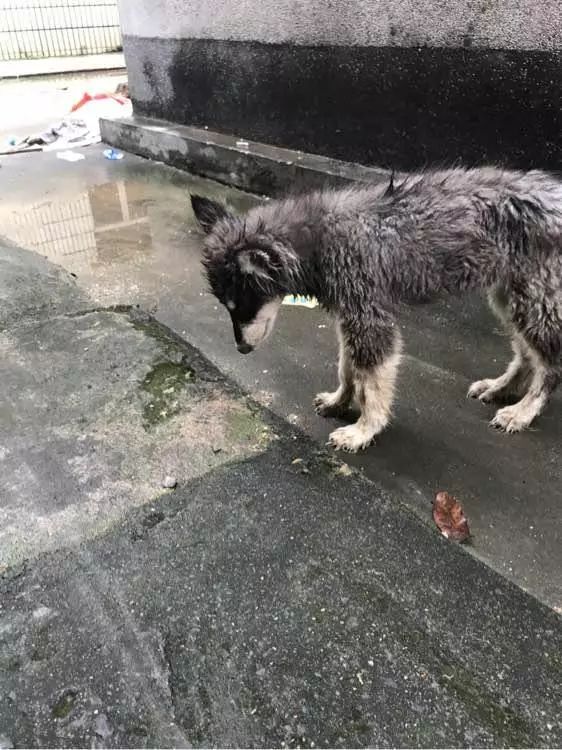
364 250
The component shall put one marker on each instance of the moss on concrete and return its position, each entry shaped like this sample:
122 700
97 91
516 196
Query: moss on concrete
244 425
163 386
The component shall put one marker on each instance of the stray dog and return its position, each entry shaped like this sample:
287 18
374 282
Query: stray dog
361 251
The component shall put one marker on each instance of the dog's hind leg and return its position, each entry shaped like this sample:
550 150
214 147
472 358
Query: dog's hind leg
334 404
517 417
515 380
375 393
537 314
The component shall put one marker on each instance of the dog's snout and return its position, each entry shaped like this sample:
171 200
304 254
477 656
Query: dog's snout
244 348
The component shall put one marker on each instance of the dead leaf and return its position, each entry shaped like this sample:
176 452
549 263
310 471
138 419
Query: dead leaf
449 517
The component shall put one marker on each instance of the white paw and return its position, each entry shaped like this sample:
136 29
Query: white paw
351 438
511 419
329 404
481 389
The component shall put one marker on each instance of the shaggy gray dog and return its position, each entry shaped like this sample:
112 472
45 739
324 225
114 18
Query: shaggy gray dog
364 250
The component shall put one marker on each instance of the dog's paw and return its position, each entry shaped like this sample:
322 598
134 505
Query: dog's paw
482 390
350 439
329 405
511 419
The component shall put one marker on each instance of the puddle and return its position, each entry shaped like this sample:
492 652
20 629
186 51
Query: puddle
105 224
125 240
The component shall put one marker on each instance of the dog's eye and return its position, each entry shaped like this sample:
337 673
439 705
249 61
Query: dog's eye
230 304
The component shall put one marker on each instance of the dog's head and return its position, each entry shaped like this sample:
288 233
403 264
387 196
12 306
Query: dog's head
249 270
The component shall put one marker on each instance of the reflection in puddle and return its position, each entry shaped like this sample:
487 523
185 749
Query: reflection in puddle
128 241
107 223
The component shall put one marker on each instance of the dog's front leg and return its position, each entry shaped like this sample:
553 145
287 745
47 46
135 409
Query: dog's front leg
333 404
374 387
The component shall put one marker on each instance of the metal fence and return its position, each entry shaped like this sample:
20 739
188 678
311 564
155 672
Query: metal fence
58 28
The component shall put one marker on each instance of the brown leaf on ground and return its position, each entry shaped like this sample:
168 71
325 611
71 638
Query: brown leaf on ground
449 517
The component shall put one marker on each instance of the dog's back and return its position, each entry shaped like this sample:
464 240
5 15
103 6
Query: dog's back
447 230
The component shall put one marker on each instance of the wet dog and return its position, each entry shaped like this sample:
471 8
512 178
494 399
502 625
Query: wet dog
364 250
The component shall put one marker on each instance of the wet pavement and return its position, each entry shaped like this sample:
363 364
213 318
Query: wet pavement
313 613
181 567
125 229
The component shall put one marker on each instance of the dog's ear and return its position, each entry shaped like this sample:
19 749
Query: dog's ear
207 212
390 189
256 263
274 265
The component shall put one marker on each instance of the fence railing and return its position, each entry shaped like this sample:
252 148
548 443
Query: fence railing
58 28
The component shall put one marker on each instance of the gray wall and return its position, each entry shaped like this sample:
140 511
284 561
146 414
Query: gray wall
392 83
495 24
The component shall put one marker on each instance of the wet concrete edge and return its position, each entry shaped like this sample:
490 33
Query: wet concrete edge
231 160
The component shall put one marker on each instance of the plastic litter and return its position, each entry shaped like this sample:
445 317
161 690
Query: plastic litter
300 301
70 156
113 155
81 127
86 98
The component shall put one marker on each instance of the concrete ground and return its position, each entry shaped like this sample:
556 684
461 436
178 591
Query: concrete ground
126 230
273 598
57 65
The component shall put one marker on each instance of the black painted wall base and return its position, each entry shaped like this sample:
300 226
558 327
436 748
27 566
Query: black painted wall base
392 107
